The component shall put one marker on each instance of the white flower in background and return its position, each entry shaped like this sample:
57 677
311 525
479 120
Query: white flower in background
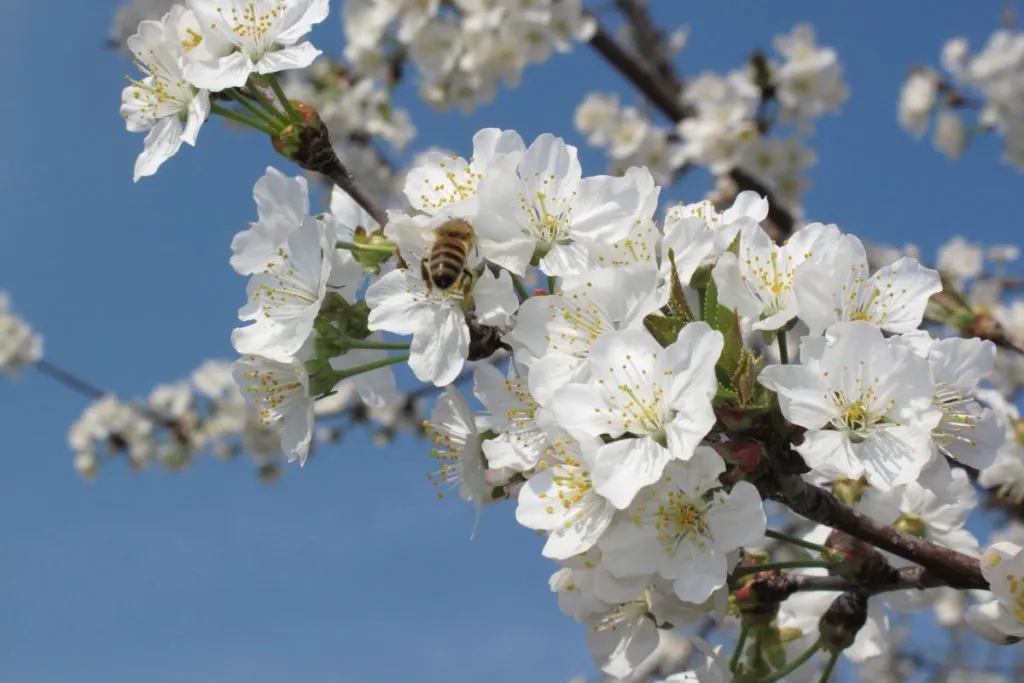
723 125
913 509
163 102
961 260
115 425
243 37
968 431
560 499
917 100
837 286
950 136
545 205
553 334
1001 620
282 204
441 182
684 526
437 47
597 117
810 81
280 391
457 448
757 281
511 412
803 610
285 299
715 668
865 401
401 303
697 234
660 396
20 347
1006 473
624 635
132 13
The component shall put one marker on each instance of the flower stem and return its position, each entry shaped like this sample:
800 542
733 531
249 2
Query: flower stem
792 666
520 288
829 667
285 102
770 566
240 118
552 284
783 346
383 363
779 536
734 661
384 247
386 346
267 103
272 121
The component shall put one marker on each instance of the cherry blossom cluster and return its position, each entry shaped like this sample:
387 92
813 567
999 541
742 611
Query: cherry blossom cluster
729 118
671 371
20 347
988 85
461 49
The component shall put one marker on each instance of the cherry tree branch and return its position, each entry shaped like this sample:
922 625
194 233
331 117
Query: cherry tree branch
941 566
662 97
650 42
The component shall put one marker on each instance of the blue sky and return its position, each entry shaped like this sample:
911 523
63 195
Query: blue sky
349 569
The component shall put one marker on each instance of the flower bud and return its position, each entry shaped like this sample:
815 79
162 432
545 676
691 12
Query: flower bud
842 620
849 490
858 562
745 455
270 472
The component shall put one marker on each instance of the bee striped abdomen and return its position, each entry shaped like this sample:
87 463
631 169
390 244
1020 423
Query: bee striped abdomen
447 261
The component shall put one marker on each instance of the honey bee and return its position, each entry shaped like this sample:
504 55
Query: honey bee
445 265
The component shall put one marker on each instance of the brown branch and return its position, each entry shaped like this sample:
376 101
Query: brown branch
650 42
662 97
942 565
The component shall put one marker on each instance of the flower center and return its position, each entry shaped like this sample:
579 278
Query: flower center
679 518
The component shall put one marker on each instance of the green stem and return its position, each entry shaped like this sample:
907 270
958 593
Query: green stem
383 247
734 661
829 667
240 118
783 346
792 666
383 363
285 102
779 536
770 566
385 346
520 288
267 103
272 121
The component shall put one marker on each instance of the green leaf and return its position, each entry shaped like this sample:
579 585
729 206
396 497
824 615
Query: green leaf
728 323
677 303
665 329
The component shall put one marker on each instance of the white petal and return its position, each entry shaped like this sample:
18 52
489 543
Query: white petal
622 468
231 71
438 352
162 142
296 57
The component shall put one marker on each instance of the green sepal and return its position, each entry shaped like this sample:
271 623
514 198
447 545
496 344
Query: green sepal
664 329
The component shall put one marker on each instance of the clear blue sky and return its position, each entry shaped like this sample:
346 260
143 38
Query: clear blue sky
349 570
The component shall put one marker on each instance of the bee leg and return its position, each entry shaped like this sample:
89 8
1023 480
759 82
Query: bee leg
425 274
466 281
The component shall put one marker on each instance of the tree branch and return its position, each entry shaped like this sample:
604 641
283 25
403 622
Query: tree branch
942 565
649 41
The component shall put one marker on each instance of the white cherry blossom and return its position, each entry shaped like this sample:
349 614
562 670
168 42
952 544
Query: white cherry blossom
684 526
457 448
280 391
865 401
20 347
245 37
163 102
560 499
837 286
662 397
757 281
1001 620
512 412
